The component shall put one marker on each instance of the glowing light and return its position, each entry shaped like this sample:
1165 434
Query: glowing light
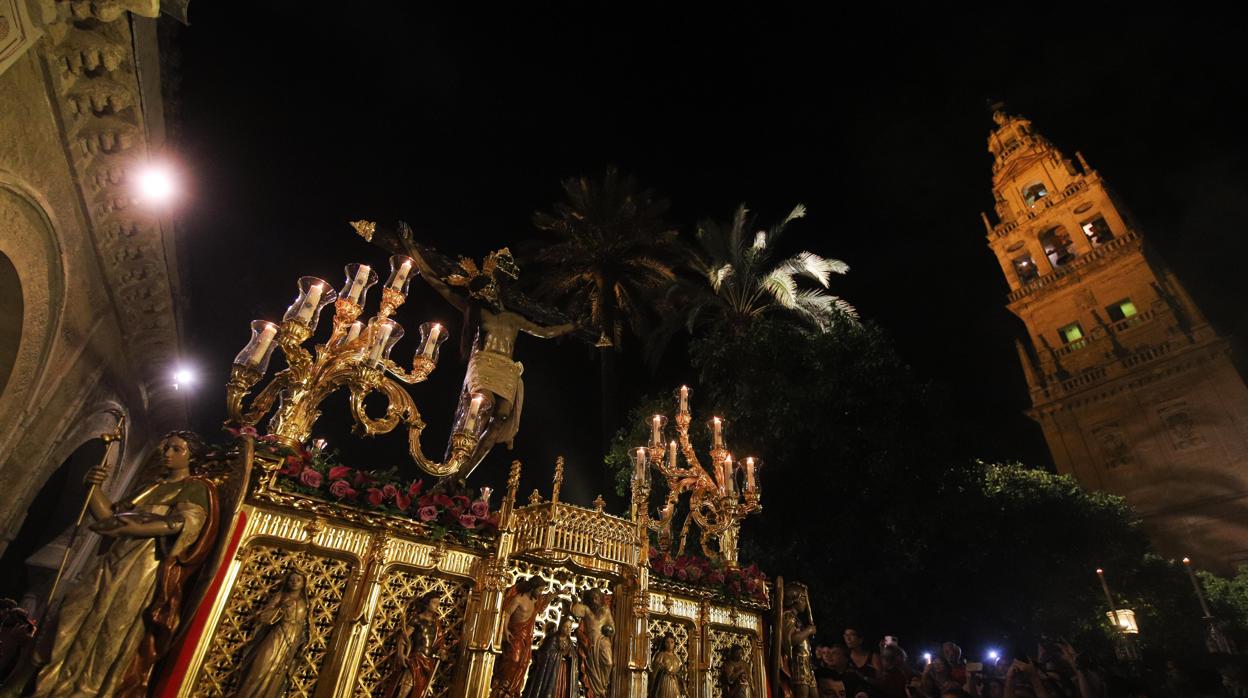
183 376
927 656
993 655
157 184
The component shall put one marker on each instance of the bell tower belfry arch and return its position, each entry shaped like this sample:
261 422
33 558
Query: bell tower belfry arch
1133 388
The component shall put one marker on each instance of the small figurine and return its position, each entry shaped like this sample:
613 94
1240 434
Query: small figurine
420 648
667 672
594 637
521 606
797 674
554 664
281 632
734 675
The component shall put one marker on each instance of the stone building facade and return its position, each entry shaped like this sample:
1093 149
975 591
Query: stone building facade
1134 390
89 310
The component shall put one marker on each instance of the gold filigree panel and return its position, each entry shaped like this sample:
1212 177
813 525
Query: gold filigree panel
722 642
568 586
262 571
398 589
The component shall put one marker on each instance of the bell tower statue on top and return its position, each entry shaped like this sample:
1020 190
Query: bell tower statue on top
1133 388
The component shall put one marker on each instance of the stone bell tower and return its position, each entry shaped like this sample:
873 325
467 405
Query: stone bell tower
1134 390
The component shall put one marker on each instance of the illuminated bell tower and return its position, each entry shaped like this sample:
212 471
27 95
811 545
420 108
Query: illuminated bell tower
1134 390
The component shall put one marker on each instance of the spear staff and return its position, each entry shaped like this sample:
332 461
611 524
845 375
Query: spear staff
109 439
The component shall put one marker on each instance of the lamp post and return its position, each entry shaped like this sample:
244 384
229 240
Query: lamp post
1216 641
1123 620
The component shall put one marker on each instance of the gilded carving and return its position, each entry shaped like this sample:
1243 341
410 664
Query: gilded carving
263 571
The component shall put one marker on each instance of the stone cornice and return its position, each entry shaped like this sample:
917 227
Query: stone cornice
89 54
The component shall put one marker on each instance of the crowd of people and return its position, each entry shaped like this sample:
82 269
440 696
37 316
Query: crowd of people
855 668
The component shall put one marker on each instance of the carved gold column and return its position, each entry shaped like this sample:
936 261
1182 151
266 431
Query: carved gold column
638 610
483 624
347 652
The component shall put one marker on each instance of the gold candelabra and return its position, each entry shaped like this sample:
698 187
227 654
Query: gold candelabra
356 357
719 498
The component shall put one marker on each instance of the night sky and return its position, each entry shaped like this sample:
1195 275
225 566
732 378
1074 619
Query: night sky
290 122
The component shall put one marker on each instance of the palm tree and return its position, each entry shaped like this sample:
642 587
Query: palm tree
739 281
606 254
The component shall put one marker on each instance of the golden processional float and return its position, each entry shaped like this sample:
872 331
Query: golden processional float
333 581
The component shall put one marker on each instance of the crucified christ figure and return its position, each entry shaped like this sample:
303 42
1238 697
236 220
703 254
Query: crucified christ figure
489 332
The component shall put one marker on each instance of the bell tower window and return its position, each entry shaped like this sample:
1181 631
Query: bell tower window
1057 246
1025 269
1071 333
1097 230
1121 310
1034 192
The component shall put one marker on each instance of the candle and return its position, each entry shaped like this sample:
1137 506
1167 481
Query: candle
357 285
749 475
401 275
730 476
717 434
354 331
263 340
656 430
310 303
485 494
434 332
380 345
639 464
684 398
473 410
671 454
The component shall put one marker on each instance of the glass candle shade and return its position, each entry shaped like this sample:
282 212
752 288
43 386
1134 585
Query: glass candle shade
432 335
383 335
641 465
360 277
314 294
717 425
402 269
473 414
657 423
751 466
260 348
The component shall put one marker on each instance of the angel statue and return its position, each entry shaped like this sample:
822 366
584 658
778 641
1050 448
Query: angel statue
796 627
494 315
122 612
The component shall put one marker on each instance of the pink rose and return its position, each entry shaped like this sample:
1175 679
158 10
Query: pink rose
415 488
669 568
460 502
402 501
310 477
388 491
339 472
480 508
468 521
374 496
694 573
341 489
443 501
427 513
682 574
